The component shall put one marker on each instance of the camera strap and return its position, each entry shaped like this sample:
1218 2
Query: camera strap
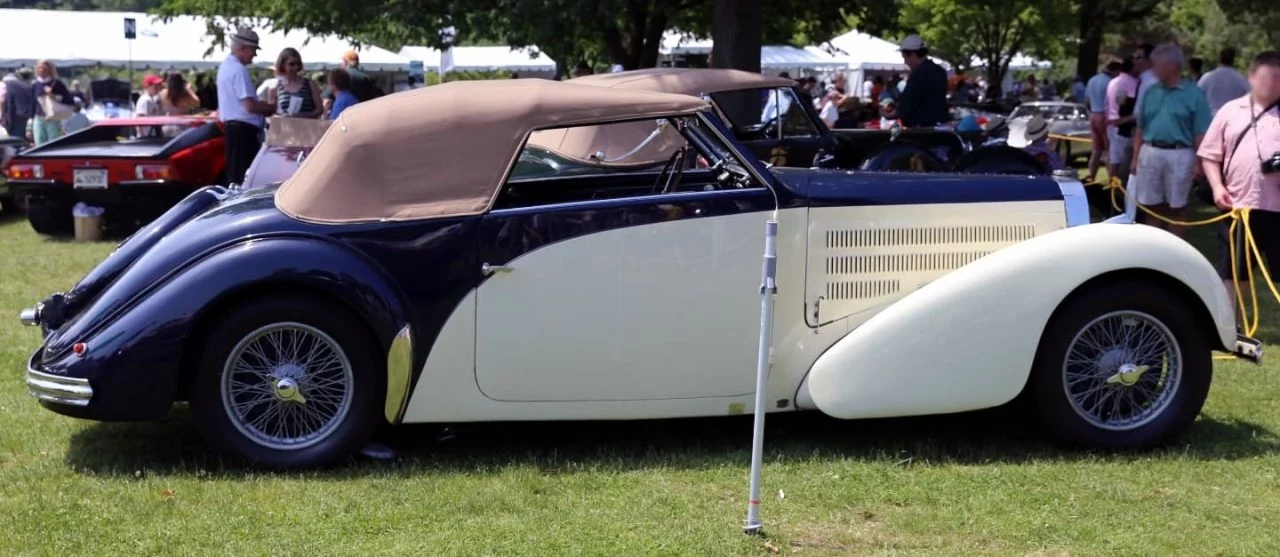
1252 122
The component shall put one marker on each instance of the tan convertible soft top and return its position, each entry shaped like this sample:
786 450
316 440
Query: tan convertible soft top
445 150
614 140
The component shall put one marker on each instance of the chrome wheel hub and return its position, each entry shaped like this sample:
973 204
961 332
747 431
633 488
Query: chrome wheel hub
287 391
287 386
1122 370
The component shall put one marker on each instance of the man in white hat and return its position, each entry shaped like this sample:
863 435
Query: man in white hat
243 115
1031 134
924 99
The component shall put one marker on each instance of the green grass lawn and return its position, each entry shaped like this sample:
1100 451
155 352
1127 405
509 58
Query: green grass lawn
976 484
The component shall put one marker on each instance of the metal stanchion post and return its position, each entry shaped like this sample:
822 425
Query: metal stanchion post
768 289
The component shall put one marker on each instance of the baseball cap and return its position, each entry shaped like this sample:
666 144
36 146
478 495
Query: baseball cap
912 42
246 36
152 79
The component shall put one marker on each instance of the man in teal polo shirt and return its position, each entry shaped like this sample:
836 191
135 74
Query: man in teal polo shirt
1172 120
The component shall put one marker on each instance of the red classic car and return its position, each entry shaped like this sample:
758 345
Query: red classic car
134 168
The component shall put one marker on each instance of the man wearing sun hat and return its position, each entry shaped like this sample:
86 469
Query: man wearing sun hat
1031 134
242 114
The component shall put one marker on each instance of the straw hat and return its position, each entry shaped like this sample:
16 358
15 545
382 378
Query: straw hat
246 36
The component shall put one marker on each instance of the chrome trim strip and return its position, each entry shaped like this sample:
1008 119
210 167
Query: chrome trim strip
71 391
1074 198
399 373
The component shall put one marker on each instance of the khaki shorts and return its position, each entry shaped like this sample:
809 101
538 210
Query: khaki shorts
1164 176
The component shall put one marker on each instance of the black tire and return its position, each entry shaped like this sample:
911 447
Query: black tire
347 435
1000 159
50 219
903 156
1055 411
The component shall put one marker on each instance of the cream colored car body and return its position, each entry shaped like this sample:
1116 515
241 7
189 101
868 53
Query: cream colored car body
881 311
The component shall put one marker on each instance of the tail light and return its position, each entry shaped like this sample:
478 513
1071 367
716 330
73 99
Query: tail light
26 172
152 172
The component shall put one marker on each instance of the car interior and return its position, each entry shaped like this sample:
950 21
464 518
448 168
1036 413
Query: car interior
542 178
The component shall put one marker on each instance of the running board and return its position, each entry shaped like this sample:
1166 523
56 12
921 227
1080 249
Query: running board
1248 348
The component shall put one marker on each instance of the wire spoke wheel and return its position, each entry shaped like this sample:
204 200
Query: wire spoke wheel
287 386
1122 370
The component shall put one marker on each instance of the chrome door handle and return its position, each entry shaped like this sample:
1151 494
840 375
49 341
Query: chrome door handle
488 269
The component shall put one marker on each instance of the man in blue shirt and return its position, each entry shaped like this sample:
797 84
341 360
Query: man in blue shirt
1173 116
1096 96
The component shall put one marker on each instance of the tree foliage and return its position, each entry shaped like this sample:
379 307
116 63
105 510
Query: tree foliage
994 32
624 32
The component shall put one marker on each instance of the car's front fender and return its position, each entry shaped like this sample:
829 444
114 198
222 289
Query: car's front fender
967 340
136 360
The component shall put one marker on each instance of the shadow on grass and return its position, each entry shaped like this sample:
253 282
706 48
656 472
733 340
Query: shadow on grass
992 436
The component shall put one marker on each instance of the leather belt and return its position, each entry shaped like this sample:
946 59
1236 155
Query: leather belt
1167 145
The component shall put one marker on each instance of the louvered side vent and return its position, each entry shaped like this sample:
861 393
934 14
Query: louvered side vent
852 270
946 235
861 289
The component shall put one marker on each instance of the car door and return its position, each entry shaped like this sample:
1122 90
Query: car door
609 292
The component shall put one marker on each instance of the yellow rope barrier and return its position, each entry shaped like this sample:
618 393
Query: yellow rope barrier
1075 138
1239 217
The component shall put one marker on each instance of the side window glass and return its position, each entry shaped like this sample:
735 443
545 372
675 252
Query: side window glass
795 120
608 161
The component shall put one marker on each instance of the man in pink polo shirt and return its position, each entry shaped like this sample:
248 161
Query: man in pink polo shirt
1239 155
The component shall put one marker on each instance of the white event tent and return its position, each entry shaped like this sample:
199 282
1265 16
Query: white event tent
483 58
69 38
772 57
866 54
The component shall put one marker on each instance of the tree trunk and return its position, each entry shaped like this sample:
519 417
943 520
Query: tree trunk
653 40
1090 38
736 33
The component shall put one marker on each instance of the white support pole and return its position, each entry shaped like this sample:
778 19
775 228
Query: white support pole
1130 204
768 289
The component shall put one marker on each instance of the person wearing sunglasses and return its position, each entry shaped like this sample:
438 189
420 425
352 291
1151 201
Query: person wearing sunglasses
295 96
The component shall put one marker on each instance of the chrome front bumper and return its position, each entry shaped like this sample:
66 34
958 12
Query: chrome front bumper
71 391
30 316
1248 348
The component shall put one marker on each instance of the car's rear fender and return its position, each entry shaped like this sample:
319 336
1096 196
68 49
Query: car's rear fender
967 340
148 348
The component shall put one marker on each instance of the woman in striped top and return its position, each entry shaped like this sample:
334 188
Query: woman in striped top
295 96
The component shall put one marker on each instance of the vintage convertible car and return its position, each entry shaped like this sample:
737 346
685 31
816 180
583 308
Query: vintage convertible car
786 130
135 168
385 283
